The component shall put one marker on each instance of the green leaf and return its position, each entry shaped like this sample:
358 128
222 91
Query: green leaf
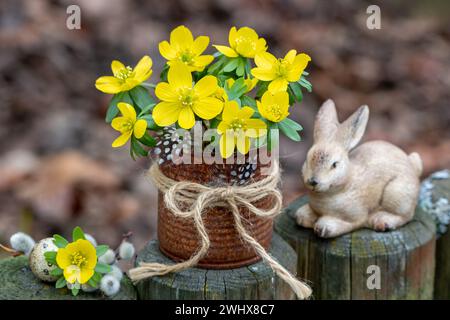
262 87
101 250
237 89
148 140
163 75
305 84
150 122
296 90
214 68
59 241
241 68
231 65
288 131
141 97
248 101
137 148
77 234
56 272
294 125
92 282
97 277
248 68
75 291
113 110
50 257
61 283
102 268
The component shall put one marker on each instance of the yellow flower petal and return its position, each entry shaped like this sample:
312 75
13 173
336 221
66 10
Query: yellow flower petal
222 127
298 66
260 46
255 128
243 143
201 61
166 113
232 36
186 118
264 74
139 128
230 110
72 274
120 123
246 49
179 76
290 56
85 275
246 32
167 51
279 84
200 44
206 86
265 60
109 85
143 69
181 37
63 258
245 113
208 108
87 250
127 110
116 67
165 92
227 51
227 144
122 139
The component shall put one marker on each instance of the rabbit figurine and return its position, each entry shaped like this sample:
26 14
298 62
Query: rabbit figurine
375 185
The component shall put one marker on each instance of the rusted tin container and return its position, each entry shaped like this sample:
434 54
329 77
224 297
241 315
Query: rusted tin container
178 238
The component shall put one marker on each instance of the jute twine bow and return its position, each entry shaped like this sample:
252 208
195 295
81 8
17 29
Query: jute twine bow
197 197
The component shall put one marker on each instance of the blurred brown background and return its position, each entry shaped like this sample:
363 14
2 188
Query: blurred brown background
57 169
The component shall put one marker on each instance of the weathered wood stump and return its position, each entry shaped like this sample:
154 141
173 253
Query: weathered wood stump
435 201
256 281
18 283
338 268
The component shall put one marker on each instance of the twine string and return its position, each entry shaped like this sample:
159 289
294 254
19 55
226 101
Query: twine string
179 195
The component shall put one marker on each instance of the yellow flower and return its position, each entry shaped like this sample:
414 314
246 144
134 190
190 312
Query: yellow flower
78 260
125 78
249 83
127 125
280 71
184 48
237 127
244 42
181 101
274 107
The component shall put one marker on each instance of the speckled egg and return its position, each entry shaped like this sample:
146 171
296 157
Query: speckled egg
39 266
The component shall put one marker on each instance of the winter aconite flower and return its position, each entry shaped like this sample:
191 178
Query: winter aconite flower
183 47
78 260
244 42
237 127
125 78
274 107
280 71
127 124
181 101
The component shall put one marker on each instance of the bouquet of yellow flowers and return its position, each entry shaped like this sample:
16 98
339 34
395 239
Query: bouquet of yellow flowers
215 90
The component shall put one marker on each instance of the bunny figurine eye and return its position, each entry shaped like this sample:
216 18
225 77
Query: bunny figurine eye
334 165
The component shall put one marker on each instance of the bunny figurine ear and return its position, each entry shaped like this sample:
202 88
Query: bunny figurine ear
351 130
326 124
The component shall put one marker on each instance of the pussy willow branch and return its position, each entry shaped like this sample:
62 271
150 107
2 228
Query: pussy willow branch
10 251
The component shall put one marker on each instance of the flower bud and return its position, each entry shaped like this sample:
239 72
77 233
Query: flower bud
126 250
116 272
91 239
22 242
109 257
109 285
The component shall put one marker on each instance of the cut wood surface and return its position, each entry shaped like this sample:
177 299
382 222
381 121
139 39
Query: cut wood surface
338 268
256 281
435 199
17 282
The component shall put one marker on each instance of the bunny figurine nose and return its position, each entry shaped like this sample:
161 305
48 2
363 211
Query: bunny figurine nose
312 182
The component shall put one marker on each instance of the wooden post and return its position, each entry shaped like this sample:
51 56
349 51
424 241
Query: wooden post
17 282
435 200
340 268
256 281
